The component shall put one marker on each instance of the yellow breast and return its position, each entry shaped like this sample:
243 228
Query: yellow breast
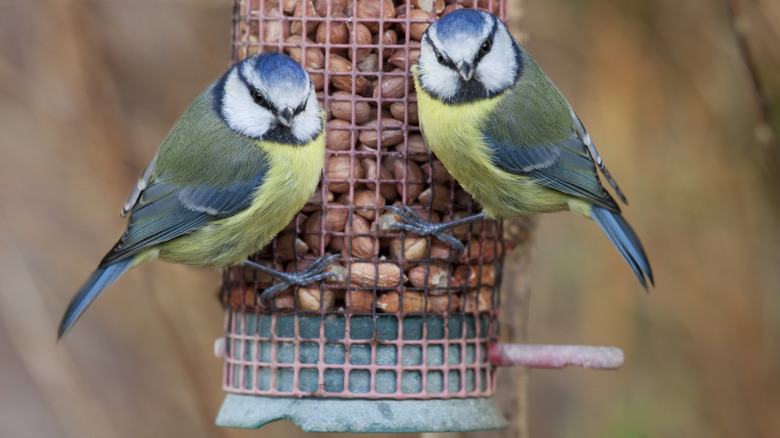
454 133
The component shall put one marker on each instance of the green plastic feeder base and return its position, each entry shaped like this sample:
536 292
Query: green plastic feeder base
360 415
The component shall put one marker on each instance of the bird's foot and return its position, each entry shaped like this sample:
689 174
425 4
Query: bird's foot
309 275
416 224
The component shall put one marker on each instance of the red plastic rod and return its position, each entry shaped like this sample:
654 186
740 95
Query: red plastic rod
556 356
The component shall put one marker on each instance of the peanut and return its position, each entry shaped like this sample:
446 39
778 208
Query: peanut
384 275
367 203
397 110
336 7
290 246
392 133
341 81
338 135
386 189
436 6
369 64
312 299
492 250
359 35
375 10
312 233
341 107
360 300
436 197
434 278
314 57
362 246
339 270
391 87
437 172
410 173
388 38
384 224
420 20
478 301
444 302
339 169
416 149
471 275
339 33
315 203
413 302
296 26
404 58
410 248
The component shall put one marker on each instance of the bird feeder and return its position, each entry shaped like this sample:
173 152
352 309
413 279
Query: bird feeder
403 337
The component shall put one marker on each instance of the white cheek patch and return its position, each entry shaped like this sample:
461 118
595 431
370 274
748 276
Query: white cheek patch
241 113
497 70
308 124
438 79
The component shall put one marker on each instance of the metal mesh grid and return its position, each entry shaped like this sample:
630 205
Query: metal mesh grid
359 54
280 356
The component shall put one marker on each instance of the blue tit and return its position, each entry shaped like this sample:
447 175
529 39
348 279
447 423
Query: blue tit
233 171
507 135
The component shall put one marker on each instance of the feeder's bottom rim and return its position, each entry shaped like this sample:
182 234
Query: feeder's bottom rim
361 415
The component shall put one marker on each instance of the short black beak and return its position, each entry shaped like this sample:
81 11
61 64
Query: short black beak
466 70
285 117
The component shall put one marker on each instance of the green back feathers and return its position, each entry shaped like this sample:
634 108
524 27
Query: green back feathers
195 142
536 111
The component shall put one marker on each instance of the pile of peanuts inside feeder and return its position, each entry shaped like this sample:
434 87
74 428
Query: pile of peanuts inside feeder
359 54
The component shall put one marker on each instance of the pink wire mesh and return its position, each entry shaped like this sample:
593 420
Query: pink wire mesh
359 55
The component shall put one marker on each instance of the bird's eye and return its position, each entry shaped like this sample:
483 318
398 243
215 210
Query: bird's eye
440 58
485 47
257 97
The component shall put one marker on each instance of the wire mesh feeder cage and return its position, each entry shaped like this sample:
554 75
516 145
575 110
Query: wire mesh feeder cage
404 320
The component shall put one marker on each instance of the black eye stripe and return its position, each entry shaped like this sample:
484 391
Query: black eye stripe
259 99
487 44
443 60
484 49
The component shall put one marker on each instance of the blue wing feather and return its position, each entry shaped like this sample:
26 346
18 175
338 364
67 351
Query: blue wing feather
564 166
165 211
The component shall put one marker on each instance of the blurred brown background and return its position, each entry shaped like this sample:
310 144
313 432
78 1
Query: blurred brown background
88 89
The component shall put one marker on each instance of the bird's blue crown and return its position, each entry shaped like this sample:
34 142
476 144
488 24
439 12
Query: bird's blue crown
460 22
279 68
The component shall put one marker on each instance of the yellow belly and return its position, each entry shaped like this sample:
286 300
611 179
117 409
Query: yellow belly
292 177
454 134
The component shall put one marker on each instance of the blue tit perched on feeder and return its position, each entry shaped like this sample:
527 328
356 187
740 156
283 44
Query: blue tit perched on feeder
241 161
507 135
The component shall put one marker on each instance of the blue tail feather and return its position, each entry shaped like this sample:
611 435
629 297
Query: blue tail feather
98 282
625 240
